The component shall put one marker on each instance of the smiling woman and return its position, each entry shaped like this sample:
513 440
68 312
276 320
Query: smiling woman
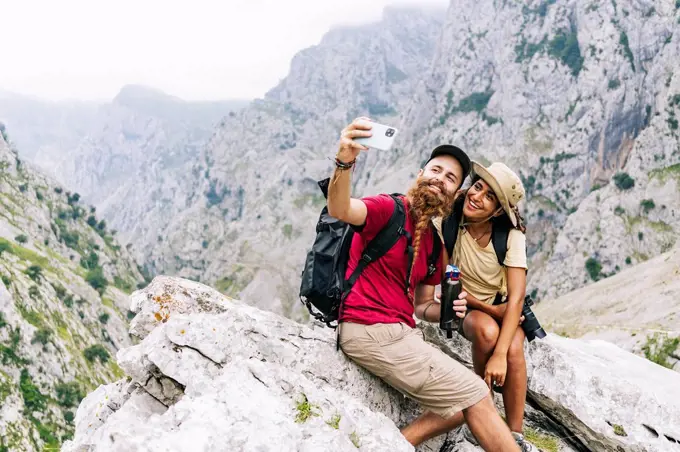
495 286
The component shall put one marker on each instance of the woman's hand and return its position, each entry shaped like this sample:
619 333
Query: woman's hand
495 370
350 149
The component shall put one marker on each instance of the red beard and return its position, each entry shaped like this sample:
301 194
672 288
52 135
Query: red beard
426 203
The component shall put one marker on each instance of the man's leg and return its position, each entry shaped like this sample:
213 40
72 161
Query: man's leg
515 387
488 427
428 425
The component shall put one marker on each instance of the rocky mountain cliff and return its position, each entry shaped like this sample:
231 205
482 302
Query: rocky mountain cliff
214 374
579 97
129 157
63 309
249 221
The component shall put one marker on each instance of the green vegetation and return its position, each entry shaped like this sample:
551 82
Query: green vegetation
618 210
355 439
69 394
594 268
288 230
475 102
623 181
21 238
34 272
34 400
647 205
42 336
96 351
658 348
564 47
544 442
305 410
334 422
664 173
623 40
618 430
614 83
96 279
104 317
628 260
9 353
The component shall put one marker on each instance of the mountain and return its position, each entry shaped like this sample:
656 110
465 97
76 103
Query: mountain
63 311
128 157
249 220
578 97
568 94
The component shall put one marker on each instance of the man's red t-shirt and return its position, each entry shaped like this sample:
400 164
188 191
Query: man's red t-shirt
378 295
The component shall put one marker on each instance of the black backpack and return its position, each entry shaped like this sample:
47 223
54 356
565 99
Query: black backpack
323 287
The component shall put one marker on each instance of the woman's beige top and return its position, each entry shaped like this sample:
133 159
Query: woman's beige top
481 273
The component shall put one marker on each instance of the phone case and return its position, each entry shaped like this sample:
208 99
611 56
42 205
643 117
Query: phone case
382 138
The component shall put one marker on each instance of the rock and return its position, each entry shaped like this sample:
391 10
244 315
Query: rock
591 387
615 312
238 377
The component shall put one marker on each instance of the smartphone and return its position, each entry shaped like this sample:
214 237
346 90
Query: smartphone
382 138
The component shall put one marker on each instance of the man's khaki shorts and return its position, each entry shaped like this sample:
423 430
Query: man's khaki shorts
399 355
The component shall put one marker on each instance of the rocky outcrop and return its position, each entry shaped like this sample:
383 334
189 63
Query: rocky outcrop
63 311
637 309
212 373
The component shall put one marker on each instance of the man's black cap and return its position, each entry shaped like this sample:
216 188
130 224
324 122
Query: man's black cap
455 152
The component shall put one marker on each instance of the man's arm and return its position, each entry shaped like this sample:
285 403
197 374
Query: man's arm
340 204
429 310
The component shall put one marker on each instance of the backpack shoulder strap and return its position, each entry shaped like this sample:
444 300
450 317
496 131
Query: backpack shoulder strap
450 227
436 252
499 238
382 242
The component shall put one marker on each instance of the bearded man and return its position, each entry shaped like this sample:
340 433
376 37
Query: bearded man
377 329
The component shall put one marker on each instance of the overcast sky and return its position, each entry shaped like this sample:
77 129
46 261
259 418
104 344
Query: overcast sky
198 49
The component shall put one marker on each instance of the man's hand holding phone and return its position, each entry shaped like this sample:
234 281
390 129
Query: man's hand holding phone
349 149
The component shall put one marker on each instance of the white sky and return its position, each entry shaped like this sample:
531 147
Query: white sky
198 49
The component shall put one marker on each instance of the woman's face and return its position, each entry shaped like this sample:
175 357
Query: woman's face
480 202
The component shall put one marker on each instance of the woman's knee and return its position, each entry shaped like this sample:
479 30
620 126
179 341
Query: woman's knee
482 328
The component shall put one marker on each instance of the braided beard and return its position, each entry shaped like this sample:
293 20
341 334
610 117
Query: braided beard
424 205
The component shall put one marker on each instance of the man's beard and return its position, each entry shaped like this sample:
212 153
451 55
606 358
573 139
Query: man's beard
427 203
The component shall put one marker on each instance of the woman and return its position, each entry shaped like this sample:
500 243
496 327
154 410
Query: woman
495 292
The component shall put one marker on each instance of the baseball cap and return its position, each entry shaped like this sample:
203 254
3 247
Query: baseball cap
455 152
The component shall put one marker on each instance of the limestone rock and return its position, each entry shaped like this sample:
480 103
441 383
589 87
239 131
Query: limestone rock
241 377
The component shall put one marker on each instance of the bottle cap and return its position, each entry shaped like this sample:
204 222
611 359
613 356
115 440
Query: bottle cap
452 272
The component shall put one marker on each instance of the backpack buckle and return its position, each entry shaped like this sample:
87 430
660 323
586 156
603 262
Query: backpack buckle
366 258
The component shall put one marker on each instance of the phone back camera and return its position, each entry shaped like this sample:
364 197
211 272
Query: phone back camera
389 132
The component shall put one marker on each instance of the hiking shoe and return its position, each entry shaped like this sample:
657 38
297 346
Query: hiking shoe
524 445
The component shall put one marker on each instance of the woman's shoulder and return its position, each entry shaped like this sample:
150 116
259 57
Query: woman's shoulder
516 238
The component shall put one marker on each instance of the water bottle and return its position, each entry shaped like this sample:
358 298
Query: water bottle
451 288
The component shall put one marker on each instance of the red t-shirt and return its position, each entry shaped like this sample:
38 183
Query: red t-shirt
378 295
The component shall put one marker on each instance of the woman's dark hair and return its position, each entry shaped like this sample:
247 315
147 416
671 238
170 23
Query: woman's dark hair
502 220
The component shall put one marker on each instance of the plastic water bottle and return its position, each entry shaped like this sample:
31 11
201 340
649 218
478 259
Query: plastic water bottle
451 288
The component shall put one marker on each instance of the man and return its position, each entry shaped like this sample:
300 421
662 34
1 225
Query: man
377 329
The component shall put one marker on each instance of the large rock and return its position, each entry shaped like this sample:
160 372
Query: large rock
212 373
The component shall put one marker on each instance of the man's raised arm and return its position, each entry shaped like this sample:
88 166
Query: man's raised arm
340 204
